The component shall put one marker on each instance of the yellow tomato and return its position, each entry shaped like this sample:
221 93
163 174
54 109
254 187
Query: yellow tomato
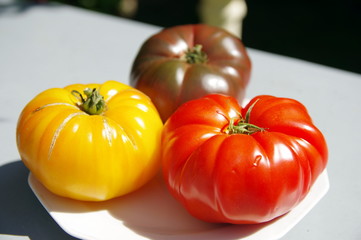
91 146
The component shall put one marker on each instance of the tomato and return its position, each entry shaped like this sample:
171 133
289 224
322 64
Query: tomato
92 146
237 165
186 62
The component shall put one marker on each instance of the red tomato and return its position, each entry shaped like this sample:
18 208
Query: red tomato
230 164
187 62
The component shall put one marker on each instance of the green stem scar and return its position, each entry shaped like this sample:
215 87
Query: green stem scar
93 104
195 55
242 125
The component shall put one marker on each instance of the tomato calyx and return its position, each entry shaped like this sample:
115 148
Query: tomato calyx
93 104
242 125
195 55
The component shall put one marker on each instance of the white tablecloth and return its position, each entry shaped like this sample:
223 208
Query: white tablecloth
53 45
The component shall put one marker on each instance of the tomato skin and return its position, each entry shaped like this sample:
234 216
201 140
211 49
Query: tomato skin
239 178
160 71
90 157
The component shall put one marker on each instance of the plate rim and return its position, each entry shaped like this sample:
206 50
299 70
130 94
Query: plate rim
322 179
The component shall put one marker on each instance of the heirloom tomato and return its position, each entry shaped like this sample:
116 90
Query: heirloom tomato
90 142
186 62
237 165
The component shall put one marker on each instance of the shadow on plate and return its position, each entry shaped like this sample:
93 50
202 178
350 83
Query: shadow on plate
153 213
150 212
21 212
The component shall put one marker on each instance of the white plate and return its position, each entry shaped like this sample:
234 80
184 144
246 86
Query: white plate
151 213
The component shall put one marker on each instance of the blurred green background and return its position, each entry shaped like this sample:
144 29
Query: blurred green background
327 32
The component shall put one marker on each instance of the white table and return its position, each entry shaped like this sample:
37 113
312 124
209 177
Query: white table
55 45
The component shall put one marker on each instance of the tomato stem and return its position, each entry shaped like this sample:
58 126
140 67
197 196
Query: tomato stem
93 104
195 55
243 126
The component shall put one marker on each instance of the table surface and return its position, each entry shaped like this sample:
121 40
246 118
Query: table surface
45 46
